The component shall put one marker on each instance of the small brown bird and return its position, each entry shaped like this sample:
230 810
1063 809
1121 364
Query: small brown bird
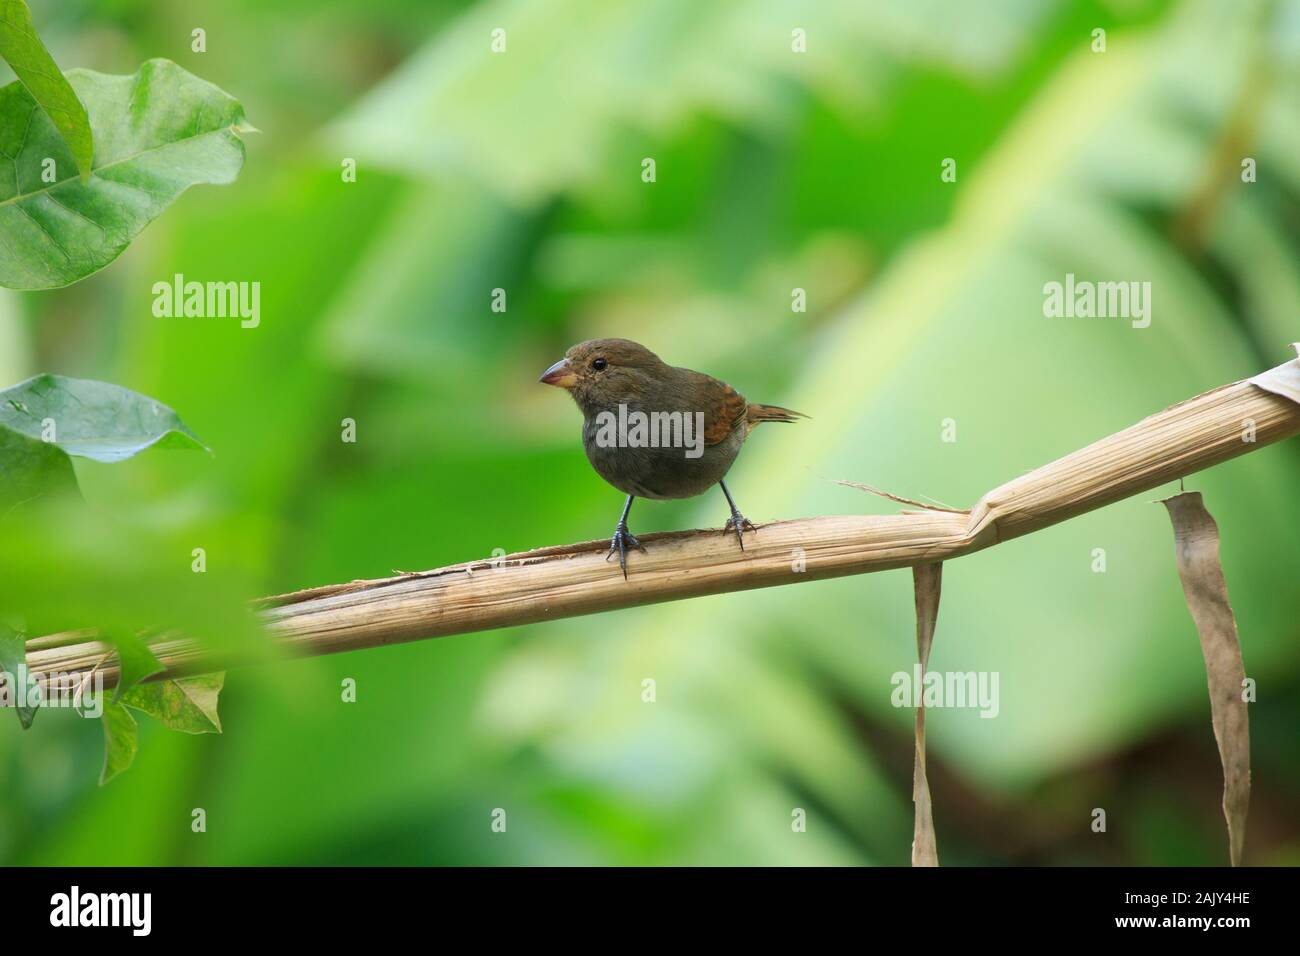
655 431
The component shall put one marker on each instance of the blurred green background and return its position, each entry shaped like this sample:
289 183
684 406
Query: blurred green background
775 170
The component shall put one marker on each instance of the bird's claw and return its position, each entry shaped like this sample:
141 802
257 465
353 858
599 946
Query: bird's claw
620 542
738 523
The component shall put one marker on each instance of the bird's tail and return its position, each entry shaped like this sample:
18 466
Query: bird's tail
770 413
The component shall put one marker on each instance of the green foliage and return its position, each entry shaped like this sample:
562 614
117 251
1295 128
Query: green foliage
121 740
26 55
91 419
30 468
187 704
95 420
136 660
13 655
47 418
44 421
457 107
157 133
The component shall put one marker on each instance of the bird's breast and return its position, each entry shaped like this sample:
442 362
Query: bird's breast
656 454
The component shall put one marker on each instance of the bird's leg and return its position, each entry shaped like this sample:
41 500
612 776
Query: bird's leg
737 521
622 538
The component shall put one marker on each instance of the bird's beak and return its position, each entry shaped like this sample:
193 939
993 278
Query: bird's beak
560 375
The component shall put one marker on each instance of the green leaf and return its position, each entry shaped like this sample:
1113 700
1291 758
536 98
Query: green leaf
30 468
23 50
13 654
187 704
86 418
157 132
120 740
136 661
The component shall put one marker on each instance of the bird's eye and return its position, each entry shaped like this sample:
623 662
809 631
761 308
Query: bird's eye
599 364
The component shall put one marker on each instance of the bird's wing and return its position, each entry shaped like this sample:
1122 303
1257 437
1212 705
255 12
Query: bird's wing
724 410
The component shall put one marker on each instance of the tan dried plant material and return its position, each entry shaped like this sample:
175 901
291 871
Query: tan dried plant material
1196 543
927 580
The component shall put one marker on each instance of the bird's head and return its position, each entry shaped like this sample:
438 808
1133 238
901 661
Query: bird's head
600 373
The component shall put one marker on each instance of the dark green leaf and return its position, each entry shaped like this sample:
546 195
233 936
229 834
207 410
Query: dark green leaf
120 740
187 704
30 468
23 50
13 654
157 133
136 660
89 419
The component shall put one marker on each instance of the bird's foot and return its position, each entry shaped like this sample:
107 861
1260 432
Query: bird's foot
622 540
738 523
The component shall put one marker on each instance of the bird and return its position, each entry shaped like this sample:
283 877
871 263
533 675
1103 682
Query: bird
656 431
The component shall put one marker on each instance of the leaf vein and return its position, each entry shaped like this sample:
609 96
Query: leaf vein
118 162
